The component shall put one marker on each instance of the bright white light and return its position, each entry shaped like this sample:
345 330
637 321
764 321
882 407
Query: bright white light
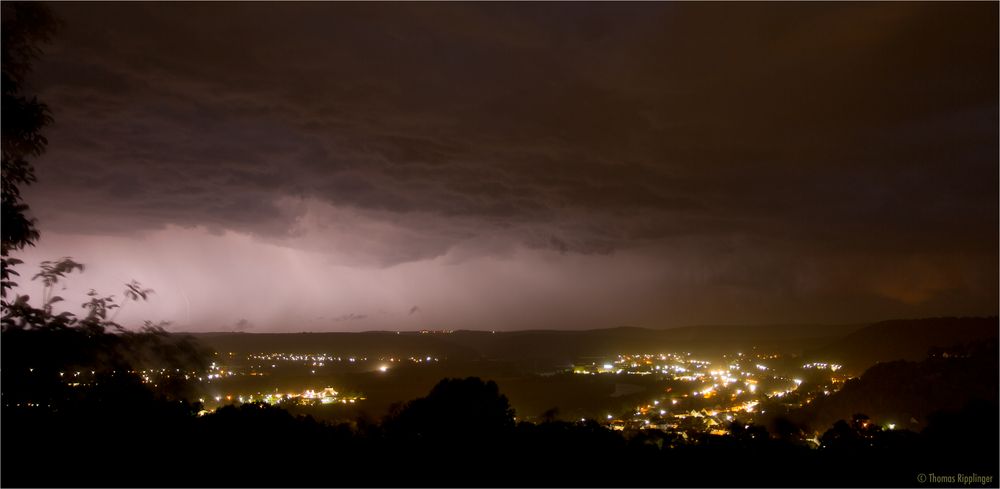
383 368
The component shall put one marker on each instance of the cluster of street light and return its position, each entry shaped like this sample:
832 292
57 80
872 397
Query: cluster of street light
718 393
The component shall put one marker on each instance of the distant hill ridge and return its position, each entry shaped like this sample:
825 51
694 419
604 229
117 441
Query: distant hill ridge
855 345
905 339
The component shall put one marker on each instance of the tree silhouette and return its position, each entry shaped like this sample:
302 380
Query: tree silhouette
25 27
450 412
40 346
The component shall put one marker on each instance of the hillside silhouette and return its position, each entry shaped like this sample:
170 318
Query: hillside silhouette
904 339
906 393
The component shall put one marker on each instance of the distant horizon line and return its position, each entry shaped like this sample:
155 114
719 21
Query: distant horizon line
544 330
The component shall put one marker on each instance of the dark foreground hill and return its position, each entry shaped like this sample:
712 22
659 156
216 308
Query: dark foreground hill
462 434
113 430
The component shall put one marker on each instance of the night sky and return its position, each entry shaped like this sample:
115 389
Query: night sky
346 167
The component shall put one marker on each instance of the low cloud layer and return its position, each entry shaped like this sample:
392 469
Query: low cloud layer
700 162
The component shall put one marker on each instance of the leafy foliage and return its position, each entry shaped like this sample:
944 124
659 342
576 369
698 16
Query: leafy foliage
25 27
40 346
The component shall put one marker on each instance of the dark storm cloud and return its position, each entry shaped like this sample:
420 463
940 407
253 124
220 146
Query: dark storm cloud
242 325
350 317
792 134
